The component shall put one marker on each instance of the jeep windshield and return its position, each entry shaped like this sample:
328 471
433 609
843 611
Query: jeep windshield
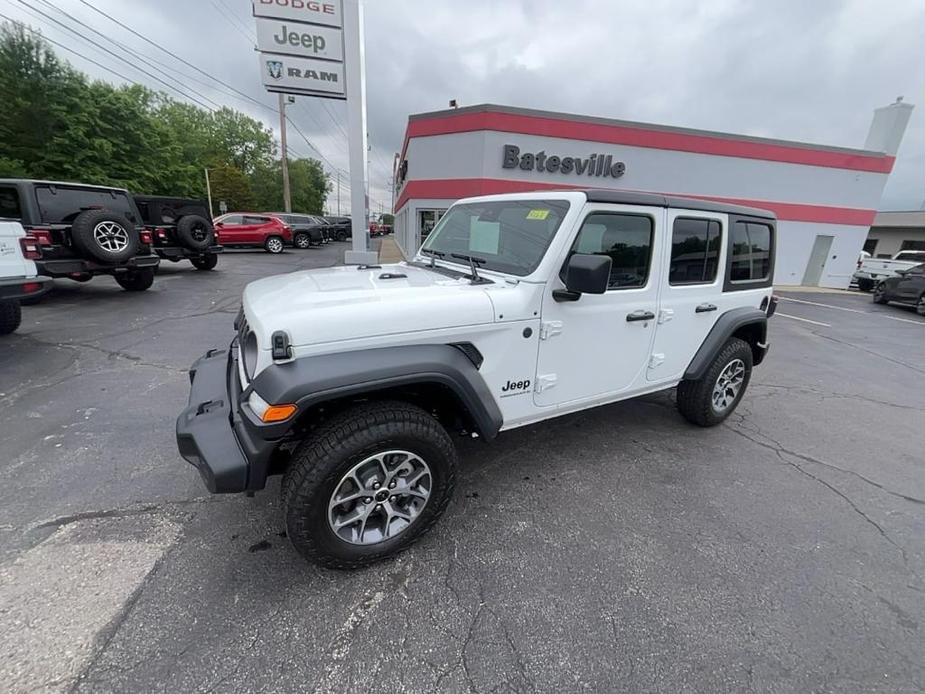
510 235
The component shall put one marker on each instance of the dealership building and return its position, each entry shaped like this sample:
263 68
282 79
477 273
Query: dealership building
825 197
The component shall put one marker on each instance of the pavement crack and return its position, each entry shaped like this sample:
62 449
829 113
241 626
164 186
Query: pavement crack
868 351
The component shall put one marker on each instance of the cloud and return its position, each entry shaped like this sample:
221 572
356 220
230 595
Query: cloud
793 70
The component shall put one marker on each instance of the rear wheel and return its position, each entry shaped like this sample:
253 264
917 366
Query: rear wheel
709 400
274 244
206 262
368 484
10 316
341 235
880 294
302 240
920 306
136 280
865 285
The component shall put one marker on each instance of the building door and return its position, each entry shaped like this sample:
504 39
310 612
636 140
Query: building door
598 346
817 260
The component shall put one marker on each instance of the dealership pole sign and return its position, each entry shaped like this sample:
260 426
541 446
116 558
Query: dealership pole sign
301 45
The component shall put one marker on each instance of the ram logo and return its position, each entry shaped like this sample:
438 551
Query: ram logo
275 68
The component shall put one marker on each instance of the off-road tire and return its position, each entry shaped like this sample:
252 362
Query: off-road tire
865 285
879 297
10 316
322 459
87 243
269 242
136 280
695 397
195 232
302 240
206 262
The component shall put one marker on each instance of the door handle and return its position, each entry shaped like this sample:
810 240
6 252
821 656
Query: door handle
705 308
640 315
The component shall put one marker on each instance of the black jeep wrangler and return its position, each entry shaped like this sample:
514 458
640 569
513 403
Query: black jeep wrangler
181 229
81 231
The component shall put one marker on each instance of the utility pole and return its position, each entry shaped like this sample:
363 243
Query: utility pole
287 196
209 193
338 193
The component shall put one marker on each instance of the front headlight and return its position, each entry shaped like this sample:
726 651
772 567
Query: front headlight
258 404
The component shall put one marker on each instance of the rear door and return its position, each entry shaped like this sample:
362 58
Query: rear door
254 228
910 285
692 290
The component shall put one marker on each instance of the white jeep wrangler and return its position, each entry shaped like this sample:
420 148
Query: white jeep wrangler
349 381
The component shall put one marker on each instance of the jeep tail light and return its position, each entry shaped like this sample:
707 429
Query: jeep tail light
41 236
161 234
145 237
30 248
31 287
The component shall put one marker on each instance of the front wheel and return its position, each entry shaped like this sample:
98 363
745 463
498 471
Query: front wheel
206 262
274 244
368 484
10 316
880 294
714 396
865 285
920 306
136 280
341 235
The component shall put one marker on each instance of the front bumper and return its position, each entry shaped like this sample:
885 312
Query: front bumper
79 266
12 288
212 434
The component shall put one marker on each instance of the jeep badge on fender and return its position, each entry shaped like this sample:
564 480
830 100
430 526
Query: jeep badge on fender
359 410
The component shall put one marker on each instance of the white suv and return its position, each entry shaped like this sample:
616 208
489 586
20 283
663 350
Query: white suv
518 308
17 274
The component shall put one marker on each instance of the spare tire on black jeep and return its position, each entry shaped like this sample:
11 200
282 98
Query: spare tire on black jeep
105 236
195 232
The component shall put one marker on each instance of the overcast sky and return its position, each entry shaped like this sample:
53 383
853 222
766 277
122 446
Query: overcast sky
808 71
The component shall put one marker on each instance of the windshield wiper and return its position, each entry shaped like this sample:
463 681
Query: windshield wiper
473 261
433 255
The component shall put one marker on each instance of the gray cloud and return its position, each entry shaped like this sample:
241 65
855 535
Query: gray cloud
794 70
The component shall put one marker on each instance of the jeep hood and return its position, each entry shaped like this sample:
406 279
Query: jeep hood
344 303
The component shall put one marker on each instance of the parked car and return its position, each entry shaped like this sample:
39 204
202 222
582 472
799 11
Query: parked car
244 229
873 270
18 278
907 287
339 228
181 229
353 387
81 231
307 230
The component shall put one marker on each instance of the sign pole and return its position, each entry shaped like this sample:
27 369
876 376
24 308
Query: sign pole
355 68
209 193
284 159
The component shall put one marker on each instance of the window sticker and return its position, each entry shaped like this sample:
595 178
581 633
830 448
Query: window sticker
484 237
537 214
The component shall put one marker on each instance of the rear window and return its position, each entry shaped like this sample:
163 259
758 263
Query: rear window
695 245
750 249
60 204
249 219
9 204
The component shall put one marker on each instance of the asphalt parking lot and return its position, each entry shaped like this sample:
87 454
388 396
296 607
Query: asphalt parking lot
614 550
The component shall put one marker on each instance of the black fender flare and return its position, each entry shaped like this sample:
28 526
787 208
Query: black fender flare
310 381
726 325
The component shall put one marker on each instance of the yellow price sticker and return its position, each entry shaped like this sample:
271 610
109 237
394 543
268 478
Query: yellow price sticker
537 214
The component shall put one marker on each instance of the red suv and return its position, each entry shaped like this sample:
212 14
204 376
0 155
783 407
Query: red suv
247 229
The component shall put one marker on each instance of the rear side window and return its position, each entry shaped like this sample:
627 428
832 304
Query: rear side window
695 246
750 249
255 220
60 204
9 204
626 239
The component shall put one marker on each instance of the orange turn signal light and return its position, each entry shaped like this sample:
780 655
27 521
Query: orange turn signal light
278 413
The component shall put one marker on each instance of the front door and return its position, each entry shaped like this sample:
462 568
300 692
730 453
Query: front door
817 260
598 347
911 285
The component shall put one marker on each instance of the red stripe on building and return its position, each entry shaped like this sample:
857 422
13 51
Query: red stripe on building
456 188
636 136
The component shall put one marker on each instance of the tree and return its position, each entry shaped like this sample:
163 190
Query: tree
231 185
307 182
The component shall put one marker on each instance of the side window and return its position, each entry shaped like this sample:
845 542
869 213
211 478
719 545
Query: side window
9 204
255 220
626 239
232 219
695 246
750 249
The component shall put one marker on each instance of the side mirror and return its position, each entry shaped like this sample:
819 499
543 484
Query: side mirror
219 225
584 274
902 273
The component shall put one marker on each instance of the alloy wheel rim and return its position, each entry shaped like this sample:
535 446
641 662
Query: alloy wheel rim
380 497
199 232
302 241
276 245
111 236
728 384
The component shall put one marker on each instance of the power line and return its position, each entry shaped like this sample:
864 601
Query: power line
233 21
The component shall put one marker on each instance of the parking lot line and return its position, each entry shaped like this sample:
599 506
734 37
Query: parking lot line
906 320
805 320
815 303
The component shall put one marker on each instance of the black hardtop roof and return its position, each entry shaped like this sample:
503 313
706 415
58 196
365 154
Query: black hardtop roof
655 199
70 184
171 198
